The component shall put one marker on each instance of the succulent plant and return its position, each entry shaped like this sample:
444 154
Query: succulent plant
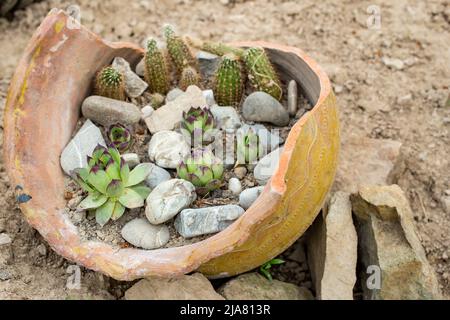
110 83
178 49
198 123
203 170
229 82
216 48
265 268
248 146
189 77
110 184
261 72
156 100
156 71
120 137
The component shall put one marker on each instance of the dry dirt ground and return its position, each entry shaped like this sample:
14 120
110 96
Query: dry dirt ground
407 102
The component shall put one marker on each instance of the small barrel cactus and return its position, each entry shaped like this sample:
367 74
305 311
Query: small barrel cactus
203 170
156 71
156 100
189 77
248 147
261 72
179 51
216 48
120 137
229 82
110 184
110 83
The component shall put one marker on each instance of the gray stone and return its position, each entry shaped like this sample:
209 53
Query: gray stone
208 63
5 275
168 148
5 239
209 97
147 111
388 241
393 63
253 286
140 68
169 115
168 199
262 107
134 85
82 144
106 111
332 250
234 185
156 176
366 161
185 287
266 167
226 117
140 233
248 196
195 222
292 97
132 159
173 94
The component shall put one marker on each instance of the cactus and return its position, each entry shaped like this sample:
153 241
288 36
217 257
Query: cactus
156 70
179 51
189 77
229 82
261 73
216 48
110 83
156 100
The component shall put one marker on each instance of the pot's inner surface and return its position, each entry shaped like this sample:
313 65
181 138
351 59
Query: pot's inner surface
290 66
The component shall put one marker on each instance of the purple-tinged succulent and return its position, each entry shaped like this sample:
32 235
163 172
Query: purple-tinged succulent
120 137
110 184
202 169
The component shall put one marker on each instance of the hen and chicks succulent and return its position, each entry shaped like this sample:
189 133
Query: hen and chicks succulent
110 184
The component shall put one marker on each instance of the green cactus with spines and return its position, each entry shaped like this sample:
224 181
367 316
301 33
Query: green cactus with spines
261 73
189 77
229 81
179 51
156 70
217 48
110 83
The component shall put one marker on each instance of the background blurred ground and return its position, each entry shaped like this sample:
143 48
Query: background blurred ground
406 101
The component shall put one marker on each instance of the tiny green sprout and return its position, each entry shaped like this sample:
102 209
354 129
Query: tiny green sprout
265 268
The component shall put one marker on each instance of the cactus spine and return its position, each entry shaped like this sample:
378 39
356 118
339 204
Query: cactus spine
216 48
189 77
229 82
261 73
110 83
179 51
156 70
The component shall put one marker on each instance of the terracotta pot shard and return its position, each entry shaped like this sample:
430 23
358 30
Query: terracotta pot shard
42 108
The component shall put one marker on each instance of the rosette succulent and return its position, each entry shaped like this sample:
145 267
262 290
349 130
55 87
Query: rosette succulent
110 184
203 170
248 146
120 137
197 122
